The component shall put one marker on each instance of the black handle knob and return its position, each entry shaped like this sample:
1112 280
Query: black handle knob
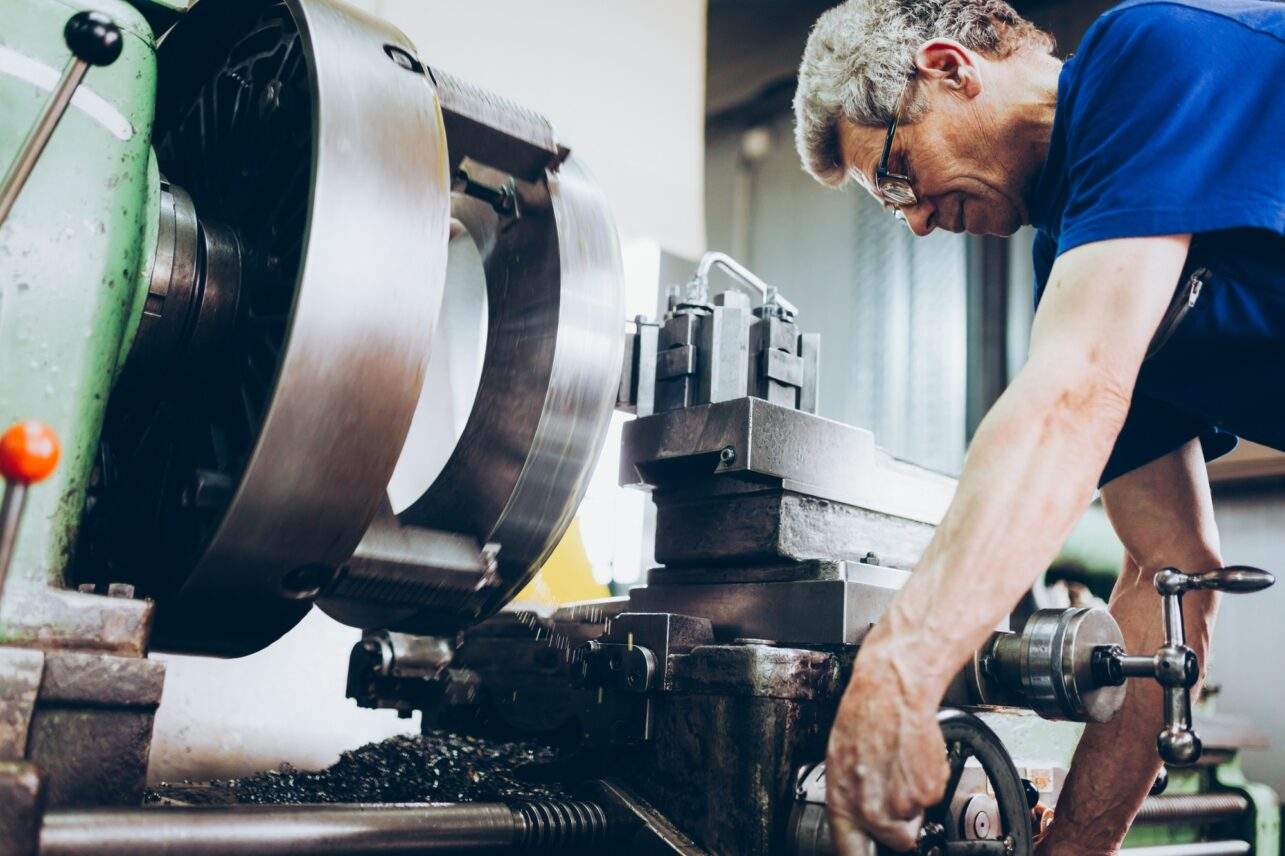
1179 746
94 38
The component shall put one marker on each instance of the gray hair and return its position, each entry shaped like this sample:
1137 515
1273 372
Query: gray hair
861 54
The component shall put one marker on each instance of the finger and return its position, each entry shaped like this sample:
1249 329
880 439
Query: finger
900 835
847 837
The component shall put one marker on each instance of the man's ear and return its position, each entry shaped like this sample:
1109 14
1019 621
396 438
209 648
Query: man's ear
950 64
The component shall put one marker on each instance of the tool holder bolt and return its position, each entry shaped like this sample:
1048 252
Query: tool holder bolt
94 38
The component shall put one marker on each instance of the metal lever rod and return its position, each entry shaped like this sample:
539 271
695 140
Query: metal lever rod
771 297
94 39
28 454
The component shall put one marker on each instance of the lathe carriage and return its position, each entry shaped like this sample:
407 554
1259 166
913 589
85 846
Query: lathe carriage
223 257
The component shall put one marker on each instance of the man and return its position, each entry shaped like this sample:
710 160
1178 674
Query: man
1152 165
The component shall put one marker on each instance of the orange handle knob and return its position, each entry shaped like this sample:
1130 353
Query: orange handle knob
28 452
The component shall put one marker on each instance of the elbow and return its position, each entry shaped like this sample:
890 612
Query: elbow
1089 403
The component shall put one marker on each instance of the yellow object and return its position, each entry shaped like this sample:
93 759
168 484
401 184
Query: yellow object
566 576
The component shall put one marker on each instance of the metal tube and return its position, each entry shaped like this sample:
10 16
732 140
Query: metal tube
1132 666
38 136
1175 633
15 498
1202 848
1192 808
322 830
742 273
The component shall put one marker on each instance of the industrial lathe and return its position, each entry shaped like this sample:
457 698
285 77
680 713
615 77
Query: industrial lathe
227 234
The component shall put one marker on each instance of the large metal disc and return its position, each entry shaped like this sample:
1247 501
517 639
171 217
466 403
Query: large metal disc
310 130
550 374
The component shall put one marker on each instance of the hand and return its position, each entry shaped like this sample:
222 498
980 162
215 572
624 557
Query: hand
886 762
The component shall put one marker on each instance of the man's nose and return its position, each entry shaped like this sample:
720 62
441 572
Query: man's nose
920 217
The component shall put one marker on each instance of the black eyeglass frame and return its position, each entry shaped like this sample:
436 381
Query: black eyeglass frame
895 189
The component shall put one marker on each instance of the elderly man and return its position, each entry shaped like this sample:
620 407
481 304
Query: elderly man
1152 165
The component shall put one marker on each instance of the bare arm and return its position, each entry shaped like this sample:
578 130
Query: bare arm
1164 515
1030 473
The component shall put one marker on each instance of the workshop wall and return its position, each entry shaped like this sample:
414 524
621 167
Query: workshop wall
623 83
890 309
1247 638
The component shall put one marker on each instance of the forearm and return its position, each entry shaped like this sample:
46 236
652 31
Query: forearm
1164 516
1030 473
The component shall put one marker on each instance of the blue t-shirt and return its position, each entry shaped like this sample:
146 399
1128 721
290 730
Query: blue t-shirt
1171 120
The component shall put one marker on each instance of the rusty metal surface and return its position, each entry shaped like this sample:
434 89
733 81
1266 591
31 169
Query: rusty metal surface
655 835
22 808
50 618
73 677
762 671
20 671
91 730
700 776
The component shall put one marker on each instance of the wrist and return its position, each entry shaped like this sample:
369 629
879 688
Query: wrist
895 668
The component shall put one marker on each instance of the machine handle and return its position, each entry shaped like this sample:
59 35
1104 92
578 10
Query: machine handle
1175 666
28 454
1235 579
94 39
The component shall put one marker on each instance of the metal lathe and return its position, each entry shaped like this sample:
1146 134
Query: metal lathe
226 233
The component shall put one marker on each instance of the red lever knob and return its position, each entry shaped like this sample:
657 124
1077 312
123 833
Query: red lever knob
28 452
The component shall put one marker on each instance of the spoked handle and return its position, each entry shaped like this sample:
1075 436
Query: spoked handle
1175 666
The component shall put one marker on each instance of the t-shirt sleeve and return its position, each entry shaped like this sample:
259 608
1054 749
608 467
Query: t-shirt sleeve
1174 126
1153 429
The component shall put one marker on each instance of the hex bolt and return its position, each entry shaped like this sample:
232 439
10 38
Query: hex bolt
727 456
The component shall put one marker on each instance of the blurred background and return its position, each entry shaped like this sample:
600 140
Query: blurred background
681 108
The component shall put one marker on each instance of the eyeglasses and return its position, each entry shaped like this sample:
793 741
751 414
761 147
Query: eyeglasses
895 190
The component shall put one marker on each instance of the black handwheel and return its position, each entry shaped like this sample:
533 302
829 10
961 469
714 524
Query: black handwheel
967 737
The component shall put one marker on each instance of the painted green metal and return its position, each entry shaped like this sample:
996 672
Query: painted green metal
74 256
1265 829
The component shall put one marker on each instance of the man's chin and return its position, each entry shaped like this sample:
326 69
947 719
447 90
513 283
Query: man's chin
1001 225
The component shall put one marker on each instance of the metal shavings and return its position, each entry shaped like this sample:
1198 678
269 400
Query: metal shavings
434 767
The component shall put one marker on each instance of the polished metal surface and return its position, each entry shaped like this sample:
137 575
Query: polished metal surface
318 830
1050 665
12 504
810 454
549 381
367 300
1202 848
